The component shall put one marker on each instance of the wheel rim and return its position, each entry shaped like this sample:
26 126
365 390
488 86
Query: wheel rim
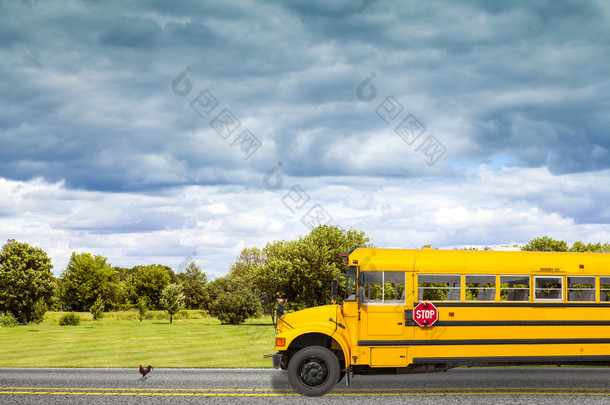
313 372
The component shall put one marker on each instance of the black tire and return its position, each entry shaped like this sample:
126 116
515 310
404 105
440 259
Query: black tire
313 371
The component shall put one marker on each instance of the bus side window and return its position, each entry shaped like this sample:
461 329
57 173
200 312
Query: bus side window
548 288
393 287
514 288
438 287
581 288
604 289
480 288
373 286
384 287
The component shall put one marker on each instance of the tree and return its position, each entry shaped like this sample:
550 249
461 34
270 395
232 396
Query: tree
142 308
302 270
97 310
86 278
193 282
590 247
149 281
231 308
25 278
247 262
38 311
232 300
172 300
545 244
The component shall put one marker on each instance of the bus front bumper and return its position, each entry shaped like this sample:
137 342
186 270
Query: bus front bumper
276 358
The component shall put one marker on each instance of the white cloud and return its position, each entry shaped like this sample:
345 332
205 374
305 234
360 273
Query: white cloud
491 206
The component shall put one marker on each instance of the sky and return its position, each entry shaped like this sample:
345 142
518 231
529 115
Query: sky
164 132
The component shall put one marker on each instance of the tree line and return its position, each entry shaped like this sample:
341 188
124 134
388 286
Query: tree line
300 270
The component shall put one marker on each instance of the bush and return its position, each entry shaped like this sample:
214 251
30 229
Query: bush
155 315
232 300
231 308
7 320
70 319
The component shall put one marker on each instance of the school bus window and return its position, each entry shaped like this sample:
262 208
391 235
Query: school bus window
604 288
373 286
393 286
581 288
514 288
384 286
433 287
548 288
480 288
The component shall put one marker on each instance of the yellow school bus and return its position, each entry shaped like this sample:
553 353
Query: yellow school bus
481 308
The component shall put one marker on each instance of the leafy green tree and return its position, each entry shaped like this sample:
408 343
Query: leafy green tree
246 264
302 270
172 300
232 300
142 308
126 295
38 312
231 308
86 278
8 320
193 282
97 310
25 277
149 281
589 247
545 244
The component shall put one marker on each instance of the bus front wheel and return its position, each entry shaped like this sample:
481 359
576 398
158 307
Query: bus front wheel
313 371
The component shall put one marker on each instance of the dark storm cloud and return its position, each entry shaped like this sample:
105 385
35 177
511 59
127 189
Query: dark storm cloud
85 88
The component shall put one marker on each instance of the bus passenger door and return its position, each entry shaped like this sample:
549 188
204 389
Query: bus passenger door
383 305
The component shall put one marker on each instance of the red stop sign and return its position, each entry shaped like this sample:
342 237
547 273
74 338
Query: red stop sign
425 314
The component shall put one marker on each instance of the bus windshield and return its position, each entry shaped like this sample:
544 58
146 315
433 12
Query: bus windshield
350 284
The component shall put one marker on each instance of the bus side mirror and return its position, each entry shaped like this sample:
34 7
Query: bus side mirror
265 299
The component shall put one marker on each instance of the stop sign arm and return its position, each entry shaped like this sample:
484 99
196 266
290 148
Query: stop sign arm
424 314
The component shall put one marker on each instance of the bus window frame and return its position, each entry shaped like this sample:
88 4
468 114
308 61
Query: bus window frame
581 290
560 289
494 288
606 290
401 301
522 276
449 289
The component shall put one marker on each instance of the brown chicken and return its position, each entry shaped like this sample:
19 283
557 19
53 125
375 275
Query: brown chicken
144 371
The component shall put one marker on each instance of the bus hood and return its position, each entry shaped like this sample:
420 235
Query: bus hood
310 316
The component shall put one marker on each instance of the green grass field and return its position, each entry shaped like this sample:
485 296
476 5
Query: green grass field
119 341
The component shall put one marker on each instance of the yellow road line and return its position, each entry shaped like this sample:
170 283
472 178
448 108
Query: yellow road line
339 390
261 394
145 389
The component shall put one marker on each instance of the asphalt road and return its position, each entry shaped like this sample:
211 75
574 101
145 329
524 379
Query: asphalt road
171 386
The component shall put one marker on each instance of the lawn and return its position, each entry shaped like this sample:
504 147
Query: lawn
119 340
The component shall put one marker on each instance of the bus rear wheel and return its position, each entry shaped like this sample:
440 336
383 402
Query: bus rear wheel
313 371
